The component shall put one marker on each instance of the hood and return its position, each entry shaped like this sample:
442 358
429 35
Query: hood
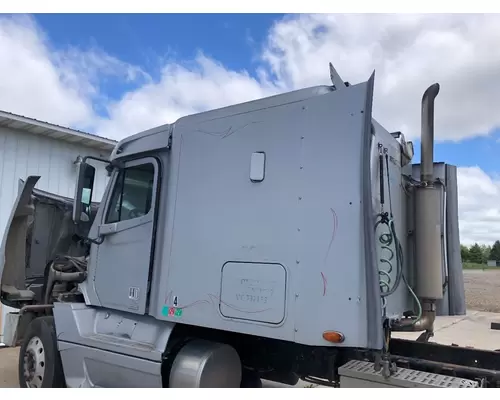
40 226
13 249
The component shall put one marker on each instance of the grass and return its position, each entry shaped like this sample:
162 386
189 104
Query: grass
467 265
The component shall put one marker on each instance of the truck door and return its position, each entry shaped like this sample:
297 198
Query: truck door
124 258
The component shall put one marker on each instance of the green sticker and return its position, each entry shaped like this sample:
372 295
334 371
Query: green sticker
178 312
164 311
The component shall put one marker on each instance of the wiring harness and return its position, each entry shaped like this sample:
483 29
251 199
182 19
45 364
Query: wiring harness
389 242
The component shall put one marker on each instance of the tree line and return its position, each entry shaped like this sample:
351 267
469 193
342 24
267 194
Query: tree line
480 254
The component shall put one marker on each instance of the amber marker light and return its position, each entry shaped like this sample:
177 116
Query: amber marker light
333 336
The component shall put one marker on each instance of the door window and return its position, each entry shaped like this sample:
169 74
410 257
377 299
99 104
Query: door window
132 194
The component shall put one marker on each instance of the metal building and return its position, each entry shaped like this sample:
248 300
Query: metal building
32 147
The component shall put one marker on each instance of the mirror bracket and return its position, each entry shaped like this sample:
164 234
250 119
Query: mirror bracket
97 241
96 159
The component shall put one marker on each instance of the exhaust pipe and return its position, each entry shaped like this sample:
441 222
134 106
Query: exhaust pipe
428 247
427 134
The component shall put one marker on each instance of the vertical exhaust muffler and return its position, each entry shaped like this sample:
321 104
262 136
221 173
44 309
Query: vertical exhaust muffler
428 246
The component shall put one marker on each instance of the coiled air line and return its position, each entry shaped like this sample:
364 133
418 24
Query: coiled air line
388 240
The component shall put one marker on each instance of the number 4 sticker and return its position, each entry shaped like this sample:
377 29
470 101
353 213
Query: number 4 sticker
176 301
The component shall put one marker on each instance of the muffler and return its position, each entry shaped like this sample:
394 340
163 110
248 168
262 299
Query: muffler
428 246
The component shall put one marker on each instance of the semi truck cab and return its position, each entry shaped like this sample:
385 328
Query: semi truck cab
282 239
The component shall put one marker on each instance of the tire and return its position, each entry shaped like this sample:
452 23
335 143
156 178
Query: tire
39 359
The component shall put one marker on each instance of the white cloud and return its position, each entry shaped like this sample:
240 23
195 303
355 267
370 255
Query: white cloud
408 52
30 83
478 206
60 86
181 91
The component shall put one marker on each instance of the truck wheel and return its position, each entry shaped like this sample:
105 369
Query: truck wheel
39 360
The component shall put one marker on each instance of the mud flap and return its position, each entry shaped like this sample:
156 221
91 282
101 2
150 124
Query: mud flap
15 328
10 329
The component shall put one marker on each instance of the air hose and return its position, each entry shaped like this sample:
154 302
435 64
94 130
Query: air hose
390 241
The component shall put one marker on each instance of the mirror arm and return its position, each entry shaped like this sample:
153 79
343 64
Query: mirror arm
96 159
113 163
110 165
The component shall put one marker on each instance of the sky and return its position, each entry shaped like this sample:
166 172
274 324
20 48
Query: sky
115 75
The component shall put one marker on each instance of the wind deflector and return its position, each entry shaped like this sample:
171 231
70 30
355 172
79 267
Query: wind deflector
374 311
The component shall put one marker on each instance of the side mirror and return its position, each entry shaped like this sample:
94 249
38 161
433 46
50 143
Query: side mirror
83 192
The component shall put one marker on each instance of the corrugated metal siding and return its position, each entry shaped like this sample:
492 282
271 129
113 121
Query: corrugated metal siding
23 154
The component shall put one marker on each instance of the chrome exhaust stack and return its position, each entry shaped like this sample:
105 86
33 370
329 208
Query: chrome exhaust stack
428 246
427 134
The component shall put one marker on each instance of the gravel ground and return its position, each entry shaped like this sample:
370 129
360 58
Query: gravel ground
8 367
482 290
